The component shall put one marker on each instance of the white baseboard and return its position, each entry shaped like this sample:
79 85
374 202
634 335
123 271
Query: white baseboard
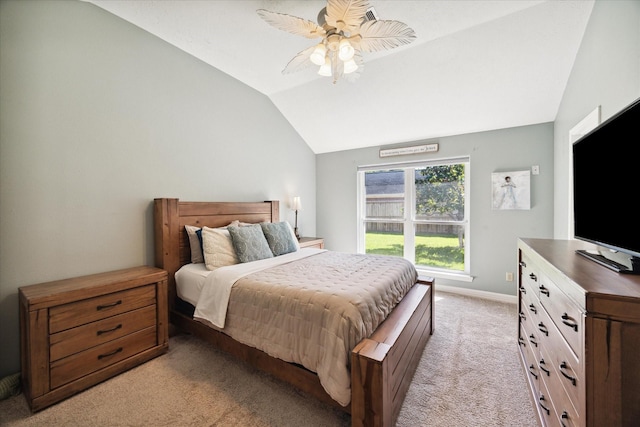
512 299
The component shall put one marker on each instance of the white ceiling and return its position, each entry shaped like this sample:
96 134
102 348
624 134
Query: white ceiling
476 65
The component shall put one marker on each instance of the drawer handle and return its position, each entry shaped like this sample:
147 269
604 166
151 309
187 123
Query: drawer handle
532 340
570 322
564 416
104 331
563 365
521 341
522 316
105 306
542 406
543 328
533 277
544 290
531 372
523 290
533 309
541 365
523 264
116 351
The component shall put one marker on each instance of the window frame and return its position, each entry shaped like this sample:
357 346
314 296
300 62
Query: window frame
409 220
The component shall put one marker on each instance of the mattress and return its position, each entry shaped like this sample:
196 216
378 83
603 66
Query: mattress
311 310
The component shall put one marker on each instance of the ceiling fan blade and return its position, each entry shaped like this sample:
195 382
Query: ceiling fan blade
292 24
381 35
346 15
300 61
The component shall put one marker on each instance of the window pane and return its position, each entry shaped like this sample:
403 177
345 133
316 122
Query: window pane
440 246
385 194
440 193
384 238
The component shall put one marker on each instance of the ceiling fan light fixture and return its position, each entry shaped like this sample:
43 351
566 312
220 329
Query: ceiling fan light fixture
345 50
347 28
325 69
333 41
318 55
350 66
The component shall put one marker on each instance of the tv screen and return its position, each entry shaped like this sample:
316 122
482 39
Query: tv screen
606 188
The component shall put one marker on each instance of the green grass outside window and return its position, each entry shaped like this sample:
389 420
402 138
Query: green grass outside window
441 251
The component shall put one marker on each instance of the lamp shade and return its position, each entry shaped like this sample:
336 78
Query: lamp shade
317 57
345 50
325 69
296 205
350 66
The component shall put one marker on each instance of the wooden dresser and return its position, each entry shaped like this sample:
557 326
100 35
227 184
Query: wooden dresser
579 336
75 333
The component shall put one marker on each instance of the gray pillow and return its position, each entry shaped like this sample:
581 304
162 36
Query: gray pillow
279 237
249 243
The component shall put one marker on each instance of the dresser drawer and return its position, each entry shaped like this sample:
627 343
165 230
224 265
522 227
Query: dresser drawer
564 313
83 337
568 368
529 278
529 353
546 408
78 365
566 412
529 309
79 313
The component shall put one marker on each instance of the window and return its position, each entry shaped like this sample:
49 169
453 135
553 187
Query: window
418 211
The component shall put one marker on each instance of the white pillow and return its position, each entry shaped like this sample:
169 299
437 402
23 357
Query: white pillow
194 244
218 248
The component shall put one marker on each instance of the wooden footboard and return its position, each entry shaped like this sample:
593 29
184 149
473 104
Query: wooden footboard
383 365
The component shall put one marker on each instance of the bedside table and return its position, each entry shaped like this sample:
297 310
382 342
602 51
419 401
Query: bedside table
75 333
311 242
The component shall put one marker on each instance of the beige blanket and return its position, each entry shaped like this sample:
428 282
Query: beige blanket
313 311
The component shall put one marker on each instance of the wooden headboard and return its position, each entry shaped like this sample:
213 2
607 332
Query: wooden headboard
172 249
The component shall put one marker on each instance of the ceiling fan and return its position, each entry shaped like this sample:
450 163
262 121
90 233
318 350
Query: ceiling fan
346 29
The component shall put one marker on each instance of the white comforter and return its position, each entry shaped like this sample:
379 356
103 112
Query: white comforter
310 307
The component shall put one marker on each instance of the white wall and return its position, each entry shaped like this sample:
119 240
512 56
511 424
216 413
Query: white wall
606 73
493 233
97 118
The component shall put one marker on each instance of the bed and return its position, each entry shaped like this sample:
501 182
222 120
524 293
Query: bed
382 363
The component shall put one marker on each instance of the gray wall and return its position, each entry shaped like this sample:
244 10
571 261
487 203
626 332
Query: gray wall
97 118
606 73
493 233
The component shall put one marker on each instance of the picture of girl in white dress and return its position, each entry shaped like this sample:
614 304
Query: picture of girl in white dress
511 190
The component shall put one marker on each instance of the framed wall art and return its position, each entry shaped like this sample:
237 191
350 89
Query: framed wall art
511 190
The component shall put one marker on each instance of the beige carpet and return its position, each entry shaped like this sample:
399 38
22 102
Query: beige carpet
469 376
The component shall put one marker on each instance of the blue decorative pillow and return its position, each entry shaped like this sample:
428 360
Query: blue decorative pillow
279 237
249 243
195 243
199 234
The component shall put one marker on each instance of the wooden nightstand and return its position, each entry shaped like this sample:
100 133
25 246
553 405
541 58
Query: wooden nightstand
311 242
75 333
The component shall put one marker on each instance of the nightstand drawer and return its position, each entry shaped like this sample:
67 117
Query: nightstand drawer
311 242
79 313
74 340
78 365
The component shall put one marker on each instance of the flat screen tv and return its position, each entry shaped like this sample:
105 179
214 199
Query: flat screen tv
606 190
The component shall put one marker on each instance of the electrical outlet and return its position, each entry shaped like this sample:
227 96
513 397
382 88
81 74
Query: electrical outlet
535 169
509 277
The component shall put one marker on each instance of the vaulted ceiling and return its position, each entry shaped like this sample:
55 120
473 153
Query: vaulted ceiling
475 65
